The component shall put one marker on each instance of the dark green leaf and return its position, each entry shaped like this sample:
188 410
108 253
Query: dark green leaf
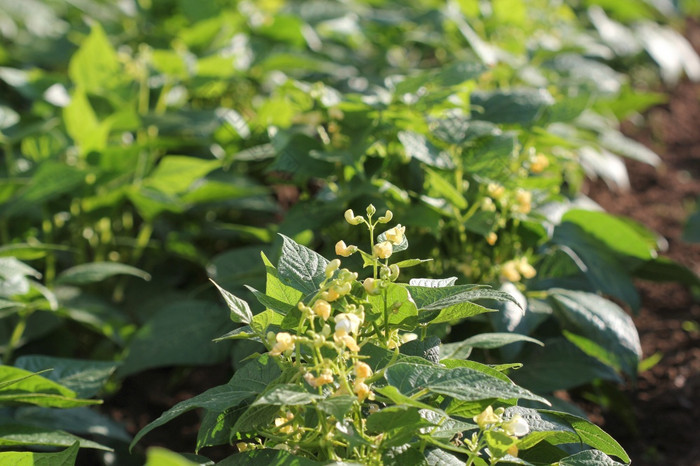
300 267
98 271
239 309
86 378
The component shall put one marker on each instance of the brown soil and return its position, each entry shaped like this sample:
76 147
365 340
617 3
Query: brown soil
666 399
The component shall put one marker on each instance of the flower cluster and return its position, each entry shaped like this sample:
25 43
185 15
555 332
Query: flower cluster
517 269
492 420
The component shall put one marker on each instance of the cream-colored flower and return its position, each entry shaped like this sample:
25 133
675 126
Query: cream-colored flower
495 190
371 286
362 370
362 391
386 218
491 238
516 426
524 200
383 250
348 323
324 378
342 249
509 271
396 234
281 421
488 205
322 309
343 339
538 163
486 418
525 269
285 342
330 295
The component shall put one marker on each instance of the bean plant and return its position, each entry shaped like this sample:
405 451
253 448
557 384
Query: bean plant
351 372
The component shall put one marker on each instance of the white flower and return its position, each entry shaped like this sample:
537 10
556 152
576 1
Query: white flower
347 323
516 426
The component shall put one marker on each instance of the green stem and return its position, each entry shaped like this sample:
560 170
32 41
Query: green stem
17 334
50 267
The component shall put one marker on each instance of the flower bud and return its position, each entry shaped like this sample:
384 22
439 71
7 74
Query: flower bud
525 269
371 210
538 163
486 418
351 218
362 370
332 266
383 250
342 249
509 271
491 238
495 190
386 218
371 286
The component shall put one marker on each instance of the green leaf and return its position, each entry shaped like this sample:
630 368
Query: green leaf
337 406
267 457
404 314
80 421
274 287
592 435
157 456
492 156
496 340
498 442
454 302
286 395
397 423
97 271
691 230
19 386
239 309
178 334
17 435
522 106
399 398
560 365
614 232
66 457
663 269
602 322
176 173
84 377
460 383
82 123
95 66
438 457
588 458
418 147
440 187
276 305
300 267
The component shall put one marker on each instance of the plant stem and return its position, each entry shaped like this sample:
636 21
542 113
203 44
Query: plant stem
17 334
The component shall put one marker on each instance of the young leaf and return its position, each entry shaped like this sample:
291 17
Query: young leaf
240 311
98 271
66 457
17 435
274 287
300 267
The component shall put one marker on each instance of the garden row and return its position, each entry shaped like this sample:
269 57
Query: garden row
150 147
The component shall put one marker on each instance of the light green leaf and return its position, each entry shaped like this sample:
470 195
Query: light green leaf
66 457
97 271
25 387
496 340
267 457
615 233
82 123
397 423
406 311
337 406
18 435
95 66
176 173
439 187
460 383
239 309
276 305
157 456
274 287
300 267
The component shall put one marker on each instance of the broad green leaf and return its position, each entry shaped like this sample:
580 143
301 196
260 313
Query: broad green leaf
300 267
176 173
616 142
592 435
178 334
488 370
614 232
276 305
399 398
496 340
150 203
65 457
428 348
337 406
499 442
438 457
80 421
589 458
439 187
460 383
523 106
18 435
233 268
26 251
454 302
663 269
157 456
602 322
267 457
296 155
600 265
84 377
560 365
263 321
286 395
82 123
239 309
404 313
432 283
397 423
19 386
215 399
98 271
491 156
418 147
95 66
